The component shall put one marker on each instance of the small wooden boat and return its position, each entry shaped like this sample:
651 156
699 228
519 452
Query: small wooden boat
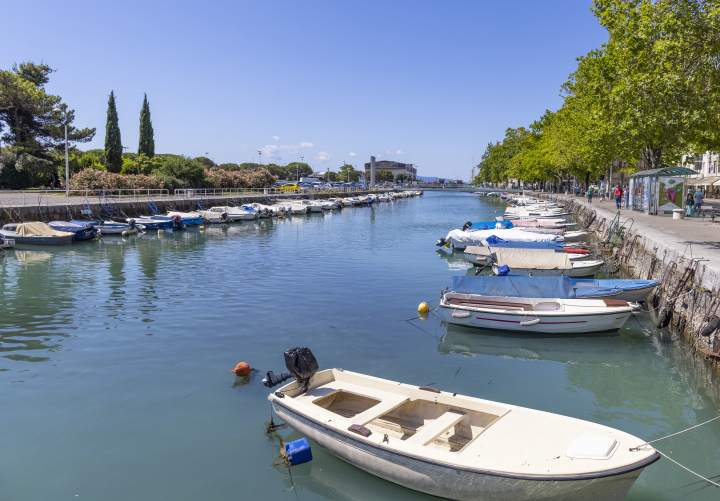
36 234
458 447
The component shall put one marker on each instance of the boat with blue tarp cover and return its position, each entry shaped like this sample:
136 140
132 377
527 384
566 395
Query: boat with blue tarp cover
82 230
113 228
554 287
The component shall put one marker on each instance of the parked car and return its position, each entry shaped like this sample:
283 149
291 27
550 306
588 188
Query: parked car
290 187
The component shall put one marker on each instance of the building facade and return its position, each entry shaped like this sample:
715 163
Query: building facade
395 167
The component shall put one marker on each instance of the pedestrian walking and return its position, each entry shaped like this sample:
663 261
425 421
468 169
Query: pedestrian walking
590 194
690 203
618 196
699 197
602 195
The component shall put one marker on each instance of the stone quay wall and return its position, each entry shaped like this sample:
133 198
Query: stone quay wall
688 297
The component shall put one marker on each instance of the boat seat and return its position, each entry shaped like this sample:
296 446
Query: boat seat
437 427
489 304
547 306
374 412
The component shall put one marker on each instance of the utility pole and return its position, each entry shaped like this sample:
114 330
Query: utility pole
260 156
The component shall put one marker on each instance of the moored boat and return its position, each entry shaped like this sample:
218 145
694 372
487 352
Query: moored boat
35 234
541 262
81 229
459 447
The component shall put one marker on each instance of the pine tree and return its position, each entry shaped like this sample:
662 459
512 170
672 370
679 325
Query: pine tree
147 141
113 144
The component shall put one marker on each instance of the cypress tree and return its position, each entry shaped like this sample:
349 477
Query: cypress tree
147 141
113 144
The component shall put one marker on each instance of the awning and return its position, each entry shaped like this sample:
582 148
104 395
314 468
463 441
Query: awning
703 181
667 171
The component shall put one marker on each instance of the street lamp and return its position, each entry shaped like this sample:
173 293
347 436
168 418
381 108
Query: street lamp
67 164
260 157
297 169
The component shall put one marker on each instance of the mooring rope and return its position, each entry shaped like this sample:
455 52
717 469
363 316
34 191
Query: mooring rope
688 469
674 434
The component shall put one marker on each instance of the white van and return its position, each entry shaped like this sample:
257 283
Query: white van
309 180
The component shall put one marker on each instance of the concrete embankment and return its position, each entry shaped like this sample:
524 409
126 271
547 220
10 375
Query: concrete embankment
59 208
683 255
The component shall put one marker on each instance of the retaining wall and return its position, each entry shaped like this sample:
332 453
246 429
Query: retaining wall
688 296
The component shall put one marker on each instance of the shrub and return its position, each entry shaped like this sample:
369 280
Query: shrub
10 177
187 169
240 179
93 179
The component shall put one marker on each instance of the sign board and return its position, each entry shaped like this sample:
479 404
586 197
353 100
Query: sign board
671 193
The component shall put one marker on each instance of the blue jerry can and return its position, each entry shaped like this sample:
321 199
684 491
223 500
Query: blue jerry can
503 270
298 451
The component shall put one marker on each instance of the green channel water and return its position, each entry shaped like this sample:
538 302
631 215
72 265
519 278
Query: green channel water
115 358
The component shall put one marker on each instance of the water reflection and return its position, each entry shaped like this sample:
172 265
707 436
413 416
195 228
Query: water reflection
455 259
335 480
605 348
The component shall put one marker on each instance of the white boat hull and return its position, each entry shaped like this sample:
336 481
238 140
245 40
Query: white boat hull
569 324
450 482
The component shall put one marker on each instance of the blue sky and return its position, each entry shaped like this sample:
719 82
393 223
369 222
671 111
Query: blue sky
424 82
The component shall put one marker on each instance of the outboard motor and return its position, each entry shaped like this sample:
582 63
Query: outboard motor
131 223
440 242
302 365
223 217
467 226
177 222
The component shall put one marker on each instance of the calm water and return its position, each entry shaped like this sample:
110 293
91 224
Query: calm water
115 358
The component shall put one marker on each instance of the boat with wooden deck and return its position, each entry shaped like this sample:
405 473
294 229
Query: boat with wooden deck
459 447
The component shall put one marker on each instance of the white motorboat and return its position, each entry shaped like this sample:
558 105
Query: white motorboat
262 210
577 236
462 238
535 315
216 217
478 254
35 234
459 447
235 213
6 242
541 263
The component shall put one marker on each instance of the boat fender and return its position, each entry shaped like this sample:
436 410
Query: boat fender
423 308
528 323
298 451
302 365
202 228
160 232
710 327
503 270
125 233
467 226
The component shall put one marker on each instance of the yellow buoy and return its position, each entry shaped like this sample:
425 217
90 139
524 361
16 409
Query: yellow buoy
447 245
202 228
424 316
423 308
160 232
97 239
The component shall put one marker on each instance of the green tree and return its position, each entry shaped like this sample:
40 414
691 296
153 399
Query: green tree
298 170
251 166
401 178
349 174
278 170
383 175
147 136
188 170
113 143
331 176
229 167
654 87
30 125
206 162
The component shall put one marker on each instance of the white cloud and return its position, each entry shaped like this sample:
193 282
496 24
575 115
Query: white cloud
276 138
352 154
323 156
398 152
305 144
275 152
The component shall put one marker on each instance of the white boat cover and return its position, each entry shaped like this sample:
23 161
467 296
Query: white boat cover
478 250
541 259
42 229
509 234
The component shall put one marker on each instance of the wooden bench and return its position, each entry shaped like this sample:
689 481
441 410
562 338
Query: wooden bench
489 304
437 427
374 412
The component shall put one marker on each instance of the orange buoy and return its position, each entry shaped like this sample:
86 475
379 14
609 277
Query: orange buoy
242 369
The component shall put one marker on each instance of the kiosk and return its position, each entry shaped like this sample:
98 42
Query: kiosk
658 191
